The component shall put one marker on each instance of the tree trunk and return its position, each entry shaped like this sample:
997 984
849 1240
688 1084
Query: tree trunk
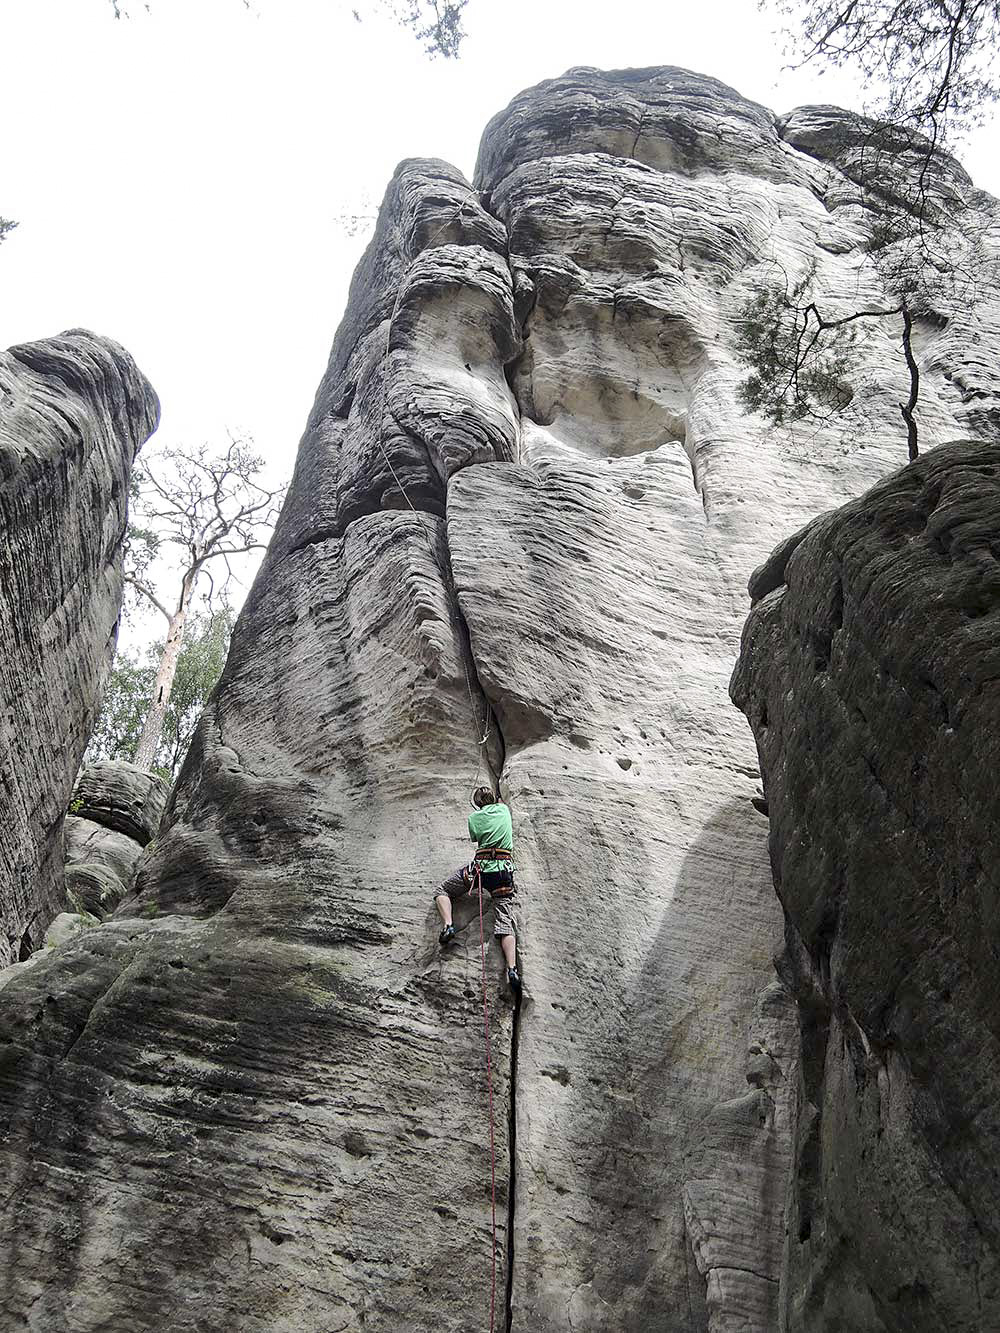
909 406
149 741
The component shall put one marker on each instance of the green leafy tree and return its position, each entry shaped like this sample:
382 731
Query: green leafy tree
931 255
126 696
802 360
123 710
199 667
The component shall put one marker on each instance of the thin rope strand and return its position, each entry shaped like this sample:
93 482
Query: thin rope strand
489 1087
423 518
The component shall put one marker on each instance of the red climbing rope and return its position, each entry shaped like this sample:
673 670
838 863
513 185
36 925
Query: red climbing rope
489 1085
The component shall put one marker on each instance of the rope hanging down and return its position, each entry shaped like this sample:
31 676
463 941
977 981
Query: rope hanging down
480 750
489 1085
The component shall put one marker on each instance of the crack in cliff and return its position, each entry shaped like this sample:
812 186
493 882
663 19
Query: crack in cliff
740 1268
99 1004
436 488
469 660
515 1035
496 772
515 1039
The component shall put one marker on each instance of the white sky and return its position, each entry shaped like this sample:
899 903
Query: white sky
178 176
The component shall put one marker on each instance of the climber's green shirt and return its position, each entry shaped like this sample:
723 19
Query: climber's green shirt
491 827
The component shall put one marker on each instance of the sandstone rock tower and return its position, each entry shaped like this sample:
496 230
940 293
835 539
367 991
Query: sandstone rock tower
517 542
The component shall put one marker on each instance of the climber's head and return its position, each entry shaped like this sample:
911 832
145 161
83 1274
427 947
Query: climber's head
482 796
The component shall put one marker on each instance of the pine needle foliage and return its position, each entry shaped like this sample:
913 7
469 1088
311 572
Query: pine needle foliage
798 366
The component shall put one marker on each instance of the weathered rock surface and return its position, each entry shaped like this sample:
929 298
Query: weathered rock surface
872 680
73 412
117 809
264 1045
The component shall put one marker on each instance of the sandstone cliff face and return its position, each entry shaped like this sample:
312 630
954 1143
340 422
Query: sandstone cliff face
515 547
117 809
73 412
870 675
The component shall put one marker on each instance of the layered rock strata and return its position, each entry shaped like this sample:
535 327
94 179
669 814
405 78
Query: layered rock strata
871 675
116 811
73 412
514 547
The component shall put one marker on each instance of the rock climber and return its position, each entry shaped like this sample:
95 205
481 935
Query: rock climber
490 827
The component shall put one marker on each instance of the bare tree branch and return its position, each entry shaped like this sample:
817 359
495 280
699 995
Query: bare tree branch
147 592
213 508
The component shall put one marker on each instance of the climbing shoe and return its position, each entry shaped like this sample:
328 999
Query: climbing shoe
447 936
513 980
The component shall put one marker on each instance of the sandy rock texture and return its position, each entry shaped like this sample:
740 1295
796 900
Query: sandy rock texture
515 547
73 412
263 1088
116 811
871 676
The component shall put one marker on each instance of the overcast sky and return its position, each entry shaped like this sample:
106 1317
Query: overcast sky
179 175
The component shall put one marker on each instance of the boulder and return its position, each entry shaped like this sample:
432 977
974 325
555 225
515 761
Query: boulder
871 678
121 797
117 808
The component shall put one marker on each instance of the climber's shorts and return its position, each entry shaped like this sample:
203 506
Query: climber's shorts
504 909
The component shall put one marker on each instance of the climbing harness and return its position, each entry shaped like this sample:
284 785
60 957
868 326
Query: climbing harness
506 887
489 1085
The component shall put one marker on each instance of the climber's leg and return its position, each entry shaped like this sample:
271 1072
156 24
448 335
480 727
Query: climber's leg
505 930
454 887
509 945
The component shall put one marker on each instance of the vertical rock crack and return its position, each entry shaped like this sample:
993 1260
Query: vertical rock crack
515 1038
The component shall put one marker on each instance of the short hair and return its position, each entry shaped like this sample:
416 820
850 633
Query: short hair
483 796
